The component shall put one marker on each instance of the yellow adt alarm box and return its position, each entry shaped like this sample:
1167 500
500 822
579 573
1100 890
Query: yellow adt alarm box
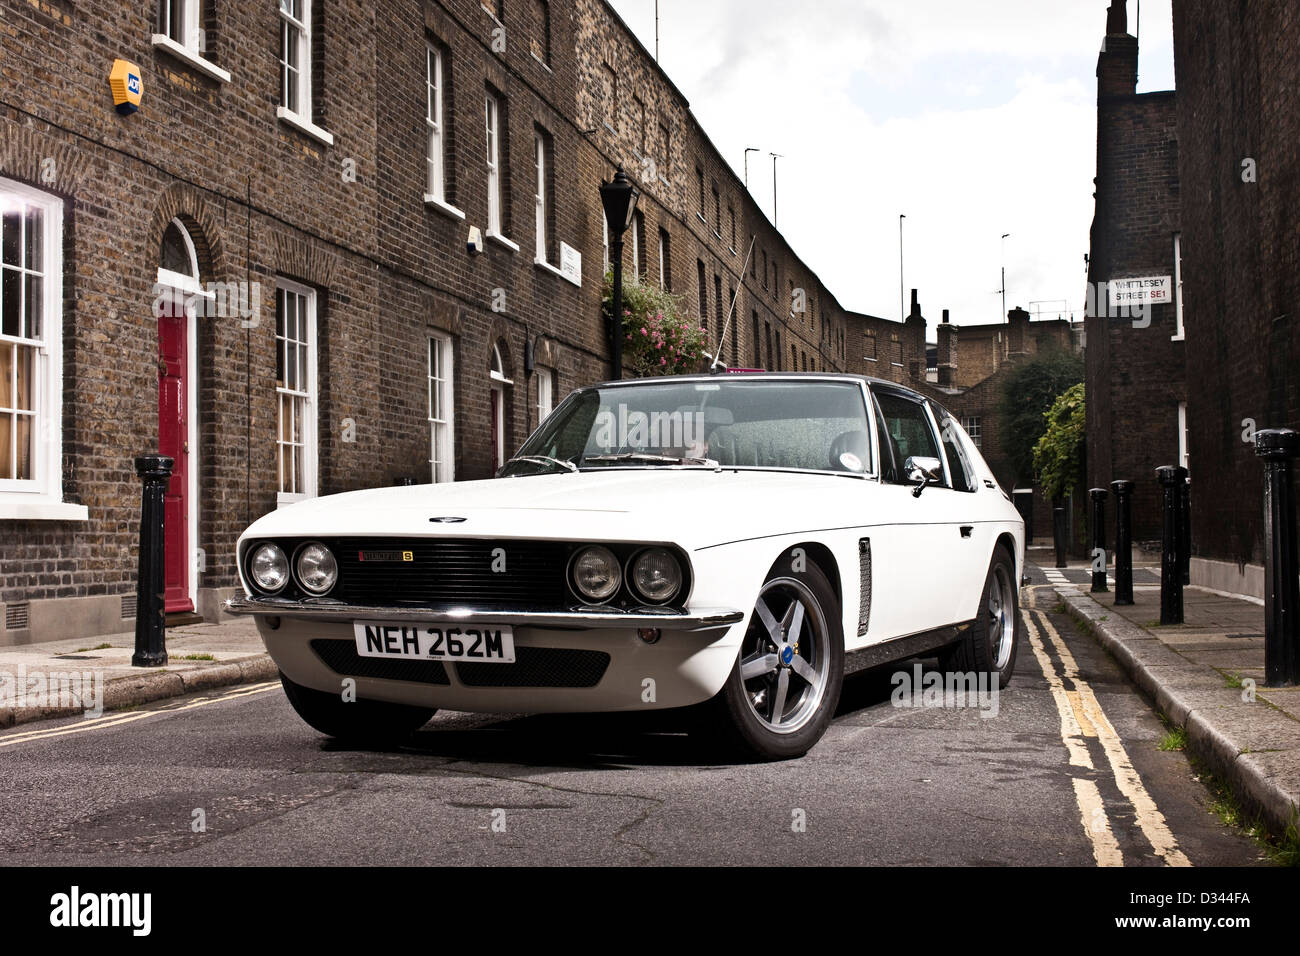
127 86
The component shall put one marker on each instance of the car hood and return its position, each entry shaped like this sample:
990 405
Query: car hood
692 507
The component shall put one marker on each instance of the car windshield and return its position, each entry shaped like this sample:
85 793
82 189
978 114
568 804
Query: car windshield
805 425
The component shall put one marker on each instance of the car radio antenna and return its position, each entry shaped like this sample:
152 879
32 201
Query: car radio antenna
735 295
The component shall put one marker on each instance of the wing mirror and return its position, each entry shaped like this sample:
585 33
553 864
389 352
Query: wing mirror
924 471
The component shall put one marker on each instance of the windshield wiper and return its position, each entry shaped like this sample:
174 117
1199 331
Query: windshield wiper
653 458
544 460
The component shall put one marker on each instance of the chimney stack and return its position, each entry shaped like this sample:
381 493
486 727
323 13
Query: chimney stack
1018 331
946 353
1117 66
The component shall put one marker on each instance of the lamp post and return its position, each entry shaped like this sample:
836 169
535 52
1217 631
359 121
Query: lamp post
775 157
619 197
1004 276
902 309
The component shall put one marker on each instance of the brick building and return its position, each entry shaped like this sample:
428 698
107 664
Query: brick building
1238 69
268 272
971 365
1136 373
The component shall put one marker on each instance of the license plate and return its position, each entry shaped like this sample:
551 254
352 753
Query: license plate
436 641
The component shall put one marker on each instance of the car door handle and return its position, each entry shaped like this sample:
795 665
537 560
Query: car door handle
967 530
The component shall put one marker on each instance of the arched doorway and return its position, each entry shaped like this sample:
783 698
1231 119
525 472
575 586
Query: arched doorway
498 382
177 297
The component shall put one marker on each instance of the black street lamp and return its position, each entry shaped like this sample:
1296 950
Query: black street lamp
619 197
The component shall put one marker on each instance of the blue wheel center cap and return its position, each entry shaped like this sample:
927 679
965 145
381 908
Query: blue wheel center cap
787 654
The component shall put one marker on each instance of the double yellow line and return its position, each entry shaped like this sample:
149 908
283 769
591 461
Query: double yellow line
1081 718
108 721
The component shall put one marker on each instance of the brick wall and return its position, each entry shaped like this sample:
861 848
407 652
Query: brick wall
1135 368
1238 72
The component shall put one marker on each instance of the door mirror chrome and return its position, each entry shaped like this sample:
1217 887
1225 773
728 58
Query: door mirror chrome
924 471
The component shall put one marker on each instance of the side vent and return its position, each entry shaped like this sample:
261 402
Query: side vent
128 606
16 616
864 585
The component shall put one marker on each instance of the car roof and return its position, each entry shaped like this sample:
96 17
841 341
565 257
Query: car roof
870 380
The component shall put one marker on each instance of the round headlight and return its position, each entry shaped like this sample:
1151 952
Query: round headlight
656 575
596 574
316 568
269 568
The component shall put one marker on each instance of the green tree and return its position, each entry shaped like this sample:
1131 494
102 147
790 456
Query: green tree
1058 455
1027 393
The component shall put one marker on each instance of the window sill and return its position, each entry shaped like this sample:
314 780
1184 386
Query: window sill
42 511
190 58
502 240
304 126
546 266
701 218
865 359
433 202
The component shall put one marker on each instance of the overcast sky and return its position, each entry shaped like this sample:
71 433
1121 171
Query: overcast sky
973 119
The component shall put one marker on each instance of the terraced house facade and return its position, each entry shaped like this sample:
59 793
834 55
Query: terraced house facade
340 244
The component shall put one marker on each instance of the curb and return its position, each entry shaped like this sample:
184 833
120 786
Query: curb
133 690
1239 746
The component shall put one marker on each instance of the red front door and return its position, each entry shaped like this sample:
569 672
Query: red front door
496 408
173 441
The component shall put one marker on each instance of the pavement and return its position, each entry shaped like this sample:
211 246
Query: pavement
91 674
1205 676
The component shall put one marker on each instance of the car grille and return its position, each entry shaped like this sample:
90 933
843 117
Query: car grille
539 667
528 575
533 667
342 658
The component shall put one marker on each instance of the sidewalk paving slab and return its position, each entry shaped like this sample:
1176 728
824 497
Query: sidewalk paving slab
1248 735
199 657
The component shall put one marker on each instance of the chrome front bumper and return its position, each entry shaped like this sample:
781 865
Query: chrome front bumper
703 619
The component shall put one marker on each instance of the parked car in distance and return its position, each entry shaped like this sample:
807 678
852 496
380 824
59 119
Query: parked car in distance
733 542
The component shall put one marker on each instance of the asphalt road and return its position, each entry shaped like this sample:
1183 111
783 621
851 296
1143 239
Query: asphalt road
1067 772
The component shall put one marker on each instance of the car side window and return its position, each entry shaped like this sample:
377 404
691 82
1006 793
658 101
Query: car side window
889 463
960 466
908 428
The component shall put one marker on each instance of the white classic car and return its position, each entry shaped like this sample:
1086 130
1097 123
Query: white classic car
729 541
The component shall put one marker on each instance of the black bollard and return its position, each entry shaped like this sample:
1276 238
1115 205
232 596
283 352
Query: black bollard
1058 534
150 615
1171 478
1123 541
1278 446
1098 496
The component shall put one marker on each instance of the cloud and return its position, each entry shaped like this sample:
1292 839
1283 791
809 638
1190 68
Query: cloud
972 119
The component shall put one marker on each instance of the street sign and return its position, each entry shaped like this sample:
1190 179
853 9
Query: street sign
1141 290
571 263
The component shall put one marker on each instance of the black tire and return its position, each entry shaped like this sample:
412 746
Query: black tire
990 646
734 711
359 721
